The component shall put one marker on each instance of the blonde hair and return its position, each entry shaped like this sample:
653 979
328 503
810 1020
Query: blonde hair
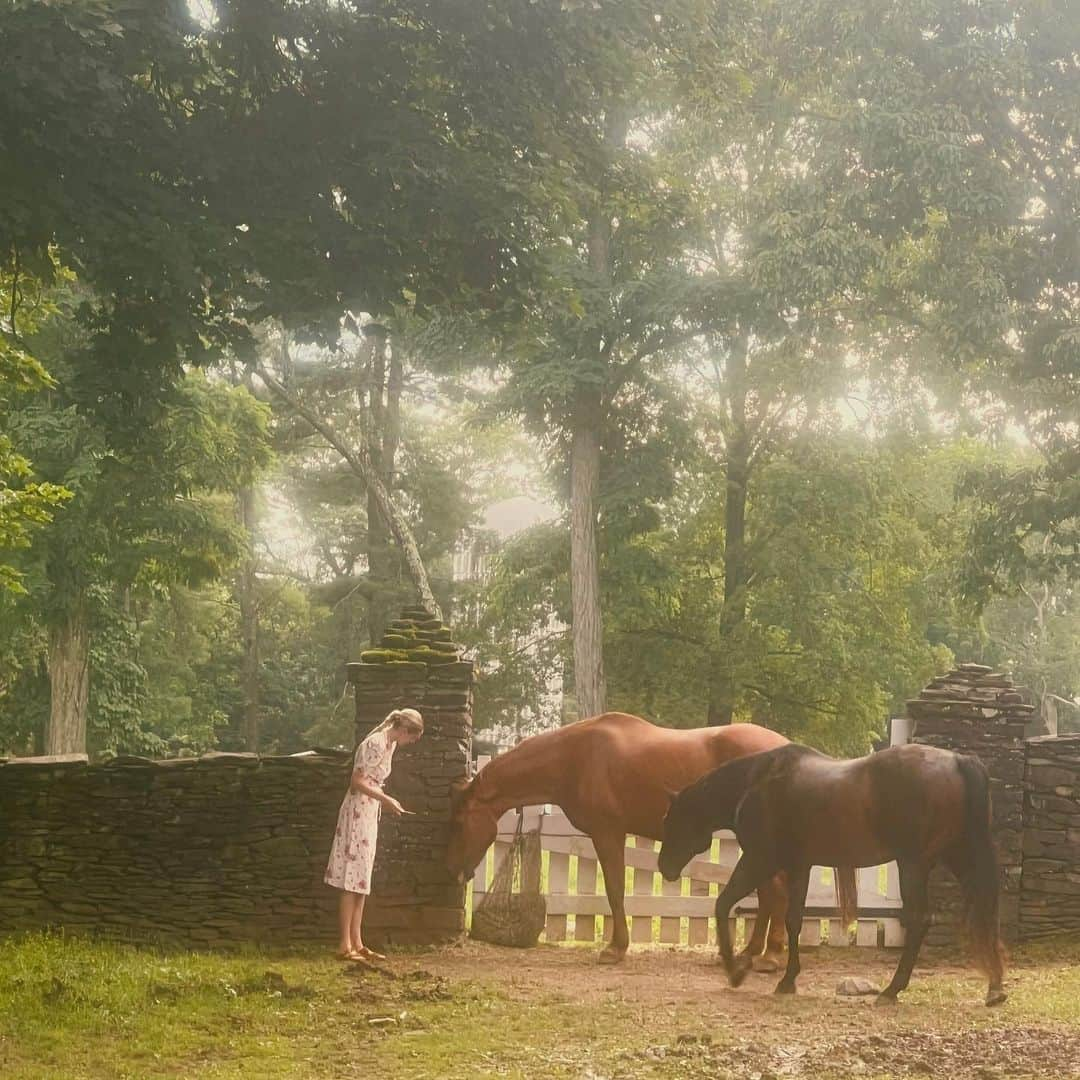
406 718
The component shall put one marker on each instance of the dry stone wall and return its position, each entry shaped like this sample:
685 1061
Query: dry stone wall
204 851
231 848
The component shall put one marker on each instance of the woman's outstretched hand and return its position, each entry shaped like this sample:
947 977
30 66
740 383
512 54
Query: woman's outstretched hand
395 807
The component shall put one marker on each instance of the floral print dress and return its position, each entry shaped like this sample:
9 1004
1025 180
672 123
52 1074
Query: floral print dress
353 851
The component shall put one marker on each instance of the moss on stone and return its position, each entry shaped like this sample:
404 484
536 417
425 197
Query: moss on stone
427 655
382 656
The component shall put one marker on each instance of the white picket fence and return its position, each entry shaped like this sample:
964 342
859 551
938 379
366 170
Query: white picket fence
680 912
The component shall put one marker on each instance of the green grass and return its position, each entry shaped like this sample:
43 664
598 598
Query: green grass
85 1010
76 1008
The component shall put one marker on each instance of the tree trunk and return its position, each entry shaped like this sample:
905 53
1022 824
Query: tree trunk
724 689
41 728
587 421
589 687
69 678
381 449
249 626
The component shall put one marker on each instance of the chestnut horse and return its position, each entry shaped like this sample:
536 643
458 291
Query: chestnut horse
792 808
611 775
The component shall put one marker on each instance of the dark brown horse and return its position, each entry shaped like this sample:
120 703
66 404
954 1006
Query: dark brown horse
794 808
611 775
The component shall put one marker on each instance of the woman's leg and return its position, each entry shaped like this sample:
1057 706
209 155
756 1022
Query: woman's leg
346 906
357 933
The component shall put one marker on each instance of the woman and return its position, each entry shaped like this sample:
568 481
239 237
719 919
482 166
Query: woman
353 852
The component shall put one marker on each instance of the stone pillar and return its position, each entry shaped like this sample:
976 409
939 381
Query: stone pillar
1050 896
414 899
975 710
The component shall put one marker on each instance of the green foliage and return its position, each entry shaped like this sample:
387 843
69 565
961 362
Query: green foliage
149 507
24 503
697 229
852 606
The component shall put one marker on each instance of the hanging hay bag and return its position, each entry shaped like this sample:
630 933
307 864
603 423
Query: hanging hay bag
505 917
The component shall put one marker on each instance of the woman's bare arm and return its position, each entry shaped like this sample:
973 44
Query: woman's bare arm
363 786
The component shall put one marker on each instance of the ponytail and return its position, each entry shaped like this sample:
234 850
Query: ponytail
408 718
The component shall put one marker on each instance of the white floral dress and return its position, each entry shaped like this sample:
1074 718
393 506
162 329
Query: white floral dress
353 851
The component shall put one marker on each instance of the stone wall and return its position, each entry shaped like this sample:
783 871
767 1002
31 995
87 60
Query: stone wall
1050 891
418 666
205 851
226 848
975 710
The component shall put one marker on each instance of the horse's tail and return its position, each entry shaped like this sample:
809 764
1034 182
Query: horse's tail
847 894
981 881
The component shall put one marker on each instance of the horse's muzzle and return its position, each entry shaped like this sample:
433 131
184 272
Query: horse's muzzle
668 870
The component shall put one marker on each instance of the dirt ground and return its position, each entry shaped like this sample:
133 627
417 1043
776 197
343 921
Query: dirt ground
704 1028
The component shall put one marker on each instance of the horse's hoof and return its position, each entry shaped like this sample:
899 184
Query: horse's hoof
766 964
887 1000
784 987
737 972
995 997
611 956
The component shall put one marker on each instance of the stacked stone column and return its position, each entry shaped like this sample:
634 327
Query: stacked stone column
1050 895
975 710
414 900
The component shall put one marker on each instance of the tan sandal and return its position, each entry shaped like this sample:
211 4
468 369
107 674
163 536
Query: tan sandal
369 954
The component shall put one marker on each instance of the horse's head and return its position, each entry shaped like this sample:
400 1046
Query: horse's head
473 828
686 833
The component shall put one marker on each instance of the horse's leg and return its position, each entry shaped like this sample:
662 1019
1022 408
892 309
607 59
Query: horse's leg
748 875
798 883
771 916
916 917
610 848
960 860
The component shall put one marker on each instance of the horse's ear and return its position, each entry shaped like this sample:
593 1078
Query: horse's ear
457 791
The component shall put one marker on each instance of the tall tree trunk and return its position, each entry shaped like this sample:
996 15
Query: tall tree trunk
380 553
69 679
724 689
41 728
589 686
590 689
249 626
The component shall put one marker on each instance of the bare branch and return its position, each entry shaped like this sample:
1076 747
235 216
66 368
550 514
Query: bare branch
360 462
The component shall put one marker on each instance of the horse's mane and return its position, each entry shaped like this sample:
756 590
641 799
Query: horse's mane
738 774
718 793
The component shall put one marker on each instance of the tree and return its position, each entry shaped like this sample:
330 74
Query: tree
961 122
368 458
607 246
852 607
144 510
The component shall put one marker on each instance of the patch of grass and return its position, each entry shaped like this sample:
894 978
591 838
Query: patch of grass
87 1010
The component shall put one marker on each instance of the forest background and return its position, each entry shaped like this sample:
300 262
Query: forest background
711 362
